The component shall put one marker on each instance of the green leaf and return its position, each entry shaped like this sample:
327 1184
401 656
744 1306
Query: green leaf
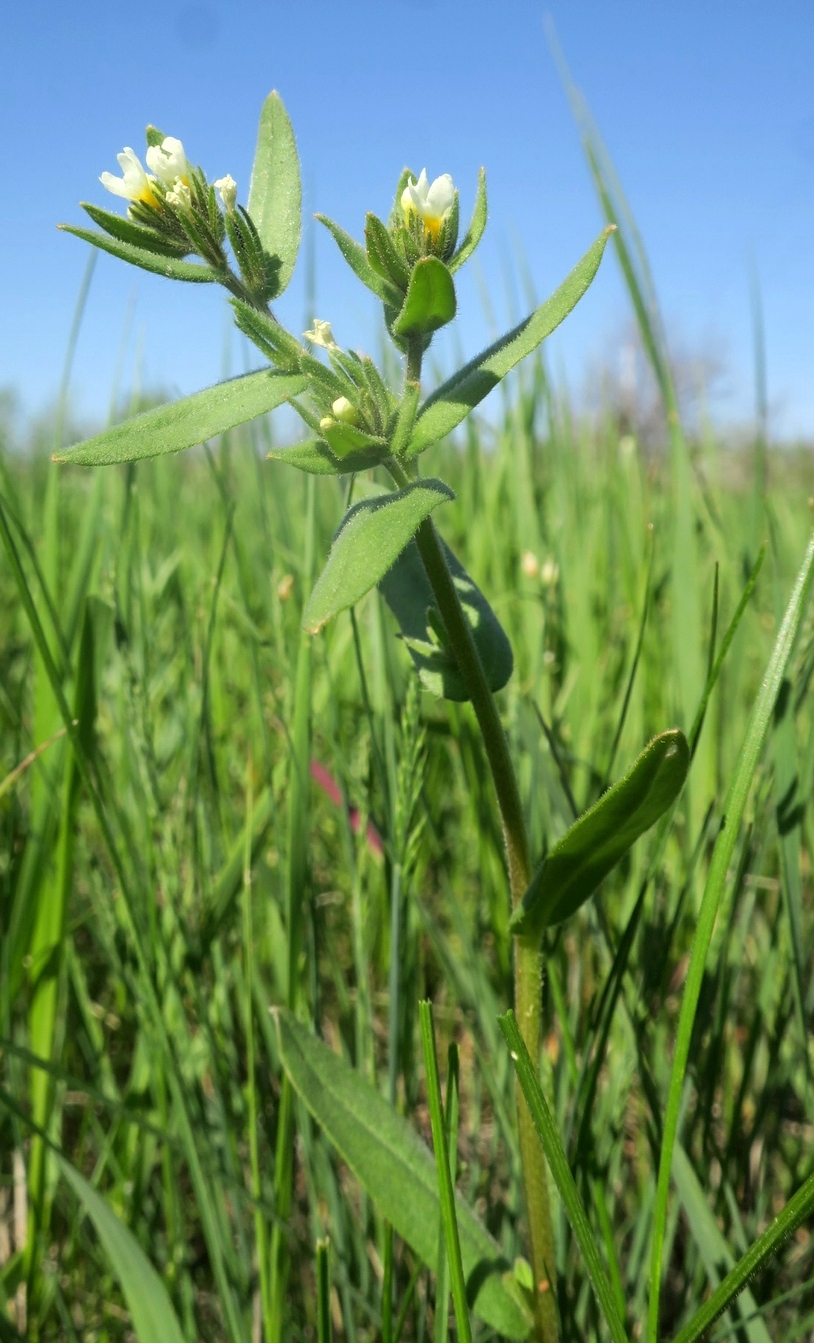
275 192
382 255
397 1171
407 591
137 235
182 424
370 538
455 398
561 1171
587 852
138 256
154 1320
314 456
345 439
477 224
430 300
357 259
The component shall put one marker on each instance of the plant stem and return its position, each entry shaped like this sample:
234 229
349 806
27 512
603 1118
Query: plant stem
527 956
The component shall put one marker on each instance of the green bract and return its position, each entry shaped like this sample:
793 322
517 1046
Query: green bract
574 868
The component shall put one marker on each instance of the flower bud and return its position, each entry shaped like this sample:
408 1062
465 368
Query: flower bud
180 198
227 189
168 161
530 564
344 410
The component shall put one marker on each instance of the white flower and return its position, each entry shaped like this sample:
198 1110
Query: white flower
134 184
530 564
431 201
227 188
344 410
549 574
180 197
168 161
320 334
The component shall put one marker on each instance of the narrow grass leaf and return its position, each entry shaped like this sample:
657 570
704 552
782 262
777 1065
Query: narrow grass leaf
154 1320
561 1171
756 732
446 1190
456 397
183 424
370 539
397 1171
715 1253
796 1211
587 852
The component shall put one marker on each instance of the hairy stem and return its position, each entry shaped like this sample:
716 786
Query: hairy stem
527 957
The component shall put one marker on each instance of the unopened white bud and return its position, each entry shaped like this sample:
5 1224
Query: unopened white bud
344 410
180 198
227 189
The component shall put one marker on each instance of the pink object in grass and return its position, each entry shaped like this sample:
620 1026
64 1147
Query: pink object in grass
331 788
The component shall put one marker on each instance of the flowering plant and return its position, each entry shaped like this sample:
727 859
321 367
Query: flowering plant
186 227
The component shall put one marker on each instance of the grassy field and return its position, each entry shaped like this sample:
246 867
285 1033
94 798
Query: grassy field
169 595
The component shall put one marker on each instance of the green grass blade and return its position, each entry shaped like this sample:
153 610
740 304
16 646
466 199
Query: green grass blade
154 1320
796 1211
446 1189
561 1171
756 732
323 1292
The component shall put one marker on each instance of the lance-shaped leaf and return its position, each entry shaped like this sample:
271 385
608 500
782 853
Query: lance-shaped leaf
275 193
182 424
394 1166
151 1311
127 230
382 255
168 266
578 862
408 593
430 299
477 224
369 540
455 398
314 456
357 259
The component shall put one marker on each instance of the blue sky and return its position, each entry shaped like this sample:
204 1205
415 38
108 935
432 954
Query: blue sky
707 109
